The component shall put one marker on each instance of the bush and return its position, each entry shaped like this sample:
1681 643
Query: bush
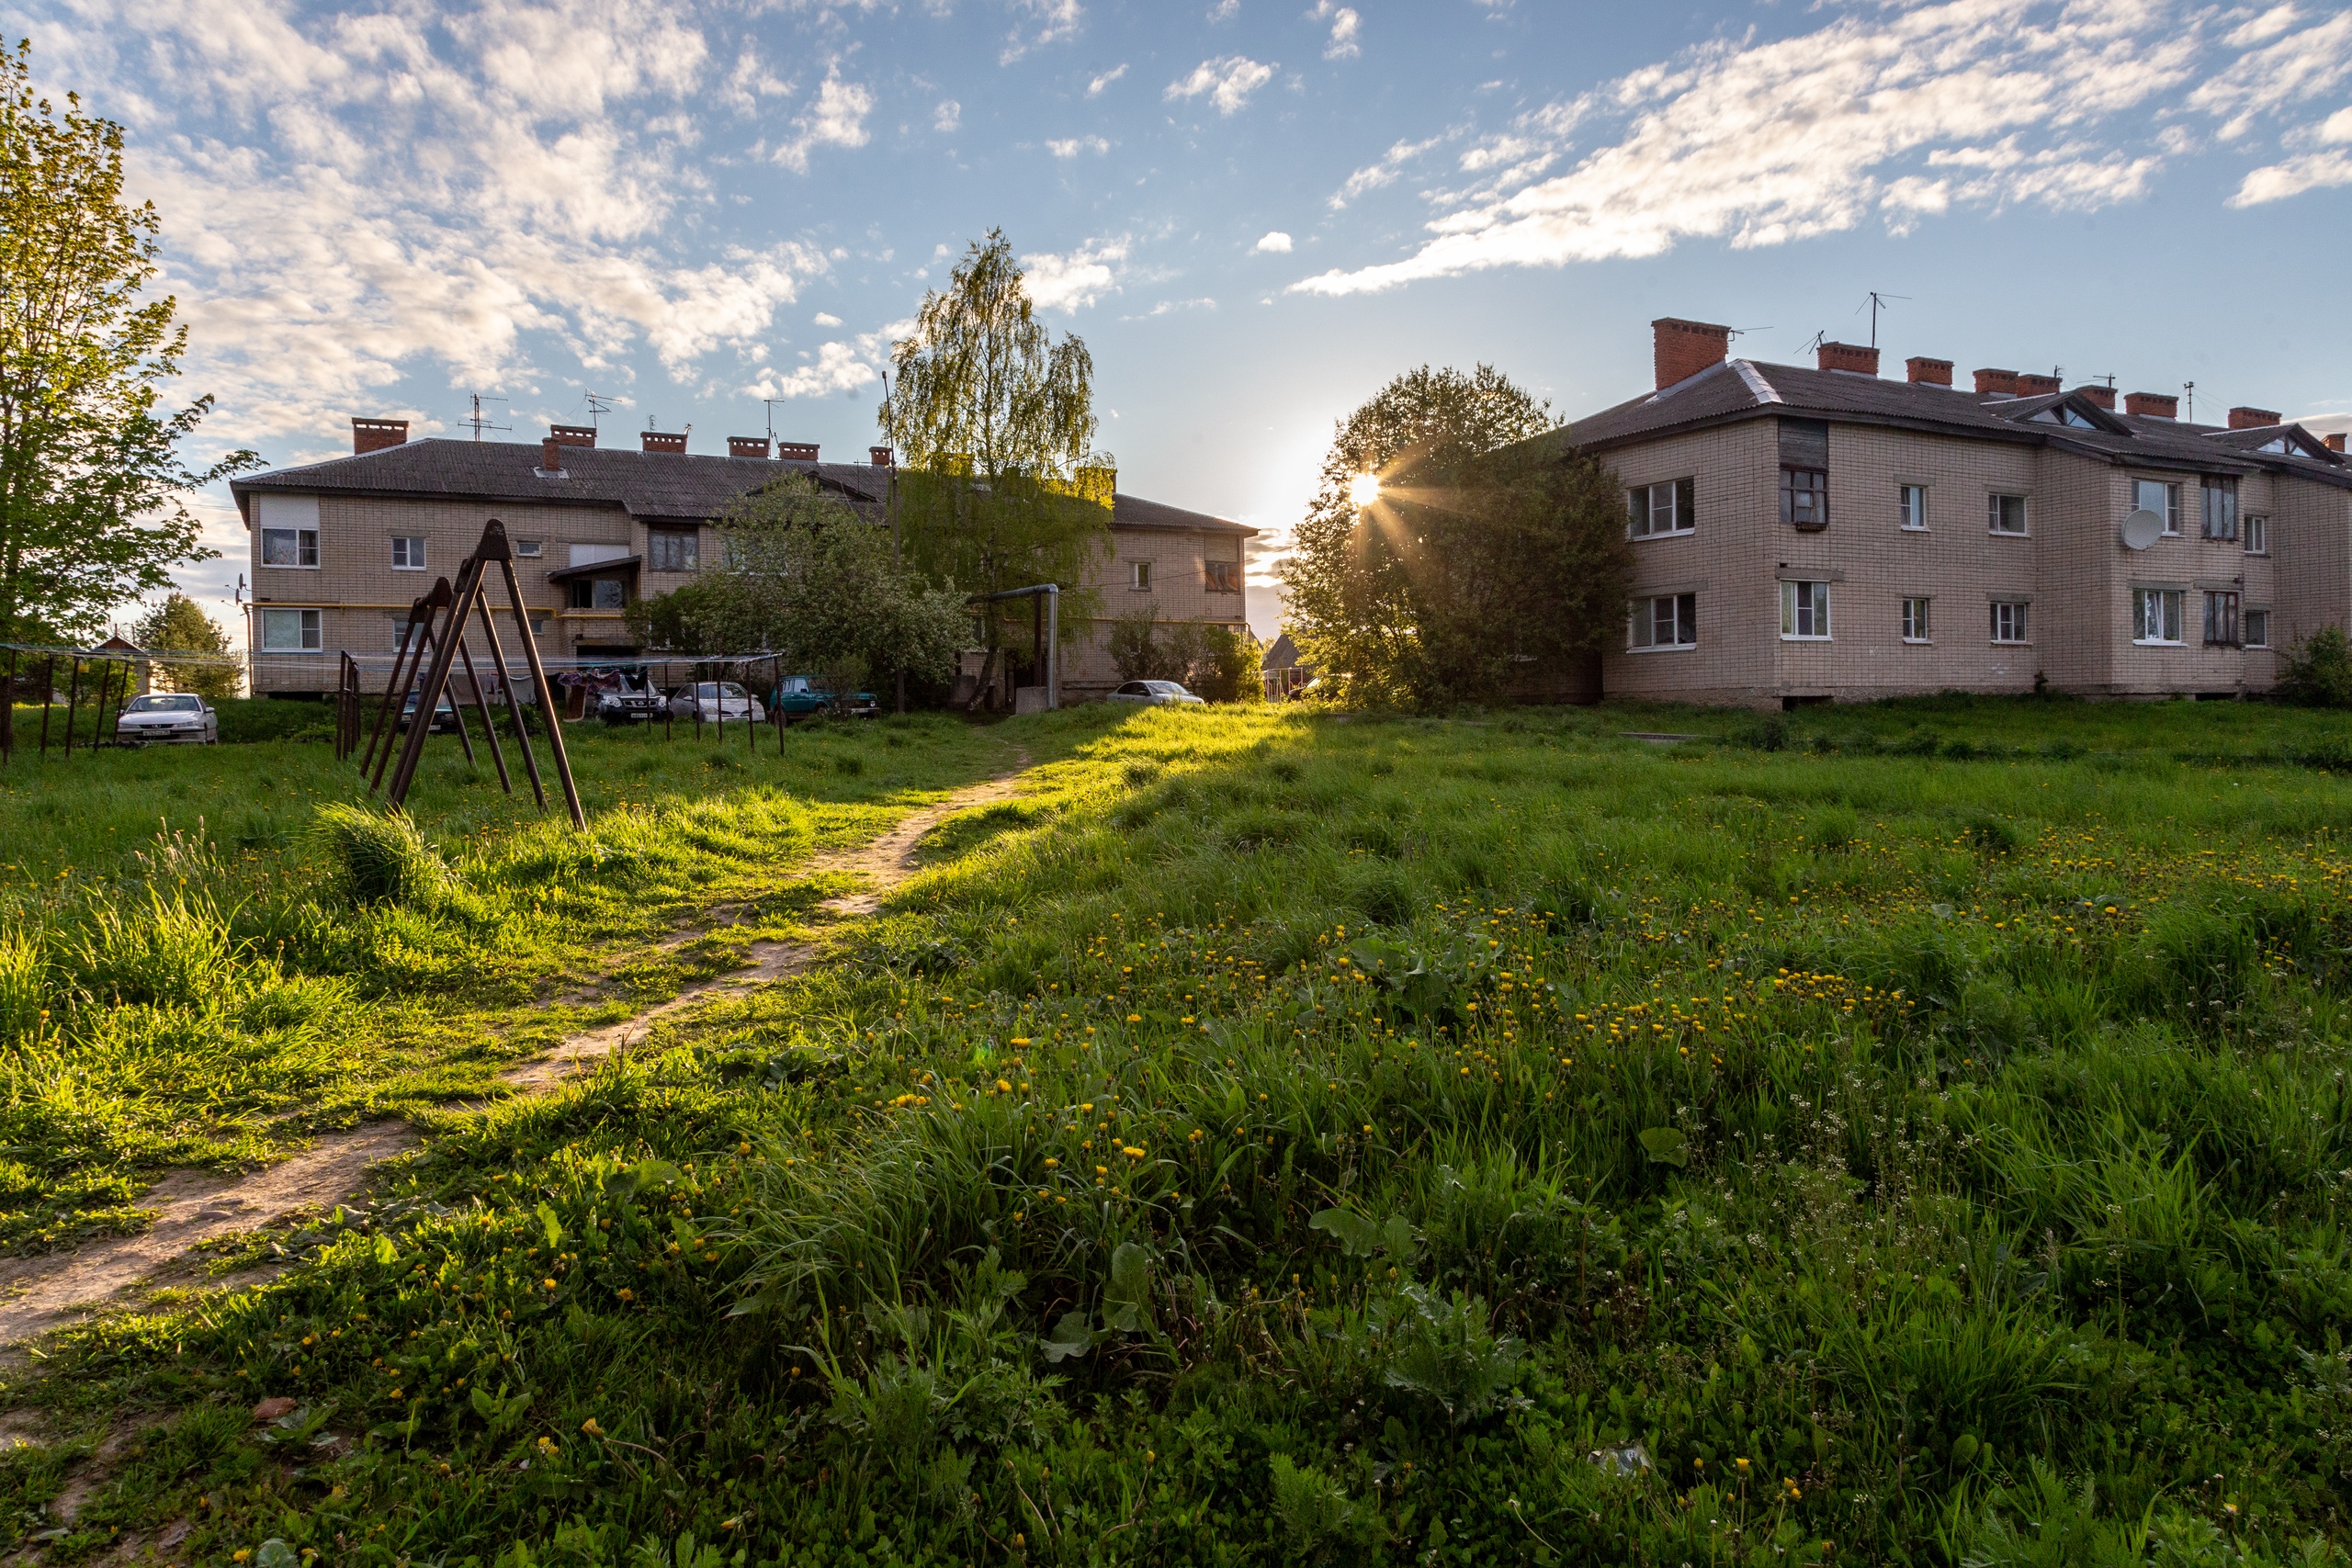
381 860
2319 671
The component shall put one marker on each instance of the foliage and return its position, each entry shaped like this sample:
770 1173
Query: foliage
2318 672
379 857
993 421
179 625
1488 554
1212 660
90 482
803 575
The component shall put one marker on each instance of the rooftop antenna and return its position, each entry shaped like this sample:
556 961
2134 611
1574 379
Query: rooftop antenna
477 419
1815 340
2108 379
2189 392
769 404
1877 302
597 404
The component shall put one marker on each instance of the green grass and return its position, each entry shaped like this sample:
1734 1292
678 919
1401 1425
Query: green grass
1278 1137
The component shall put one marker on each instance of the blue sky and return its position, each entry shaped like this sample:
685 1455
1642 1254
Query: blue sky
1255 212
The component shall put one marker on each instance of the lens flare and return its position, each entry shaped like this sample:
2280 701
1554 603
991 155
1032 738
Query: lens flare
1364 490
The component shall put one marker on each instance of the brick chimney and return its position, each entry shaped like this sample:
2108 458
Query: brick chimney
2152 405
550 455
2004 382
2103 396
747 447
573 435
375 435
2031 386
660 440
2253 419
795 451
1681 349
1849 356
2335 442
879 456
1927 372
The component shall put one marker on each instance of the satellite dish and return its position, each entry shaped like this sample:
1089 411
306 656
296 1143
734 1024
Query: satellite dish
2142 529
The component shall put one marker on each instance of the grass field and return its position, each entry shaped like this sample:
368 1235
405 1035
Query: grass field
1910 1133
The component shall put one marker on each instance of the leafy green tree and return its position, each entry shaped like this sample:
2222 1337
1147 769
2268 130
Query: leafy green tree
2319 671
802 574
90 477
1212 661
1489 550
179 625
993 421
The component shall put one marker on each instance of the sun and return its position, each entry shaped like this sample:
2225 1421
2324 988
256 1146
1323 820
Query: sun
1364 490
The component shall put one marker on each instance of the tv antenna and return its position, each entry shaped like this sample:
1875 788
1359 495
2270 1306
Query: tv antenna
1815 340
2189 393
598 404
477 419
2108 379
769 404
1877 302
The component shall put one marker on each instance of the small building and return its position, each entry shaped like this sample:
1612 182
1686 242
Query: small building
122 650
1280 670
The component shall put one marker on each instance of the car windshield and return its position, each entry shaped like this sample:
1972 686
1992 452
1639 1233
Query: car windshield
1167 688
165 704
795 683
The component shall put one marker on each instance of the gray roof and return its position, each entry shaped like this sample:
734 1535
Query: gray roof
657 485
1739 390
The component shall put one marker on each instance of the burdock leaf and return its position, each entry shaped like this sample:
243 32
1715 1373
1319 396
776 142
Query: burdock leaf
1666 1146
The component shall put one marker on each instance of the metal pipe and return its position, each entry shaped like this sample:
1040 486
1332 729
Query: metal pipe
73 704
539 679
48 697
513 699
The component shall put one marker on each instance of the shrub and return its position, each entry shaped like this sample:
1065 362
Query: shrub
2319 671
381 858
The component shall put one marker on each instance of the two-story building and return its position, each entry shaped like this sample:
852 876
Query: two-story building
1805 534
340 550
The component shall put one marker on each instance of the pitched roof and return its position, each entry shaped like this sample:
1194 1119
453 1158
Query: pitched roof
1739 390
653 485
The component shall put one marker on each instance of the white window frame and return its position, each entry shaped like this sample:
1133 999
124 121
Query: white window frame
1139 577
2170 607
1993 511
408 552
2169 493
1911 505
306 549
530 549
2248 620
309 630
1646 499
1681 624
1916 620
2020 626
2255 526
1805 611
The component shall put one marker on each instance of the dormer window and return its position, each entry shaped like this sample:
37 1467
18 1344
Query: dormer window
2063 413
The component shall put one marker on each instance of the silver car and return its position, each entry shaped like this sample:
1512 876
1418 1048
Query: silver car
1154 692
175 718
717 702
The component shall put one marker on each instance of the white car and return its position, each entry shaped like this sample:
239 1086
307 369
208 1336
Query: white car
1153 692
715 701
174 717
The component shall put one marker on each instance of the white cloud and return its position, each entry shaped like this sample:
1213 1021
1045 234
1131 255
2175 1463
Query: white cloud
1765 144
826 319
1275 241
2277 182
1168 306
1228 81
835 367
1225 10
836 119
2281 74
1094 88
1071 282
948 116
1052 22
1345 25
1074 146
1371 176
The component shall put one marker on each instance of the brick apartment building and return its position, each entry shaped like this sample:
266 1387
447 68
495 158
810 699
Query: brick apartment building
1825 532
341 548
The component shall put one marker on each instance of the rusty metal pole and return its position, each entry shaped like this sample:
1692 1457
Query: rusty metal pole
428 696
8 714
73 704
483 703
48 697
538 678
513 701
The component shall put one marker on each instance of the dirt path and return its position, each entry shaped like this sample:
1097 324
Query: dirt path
38 1294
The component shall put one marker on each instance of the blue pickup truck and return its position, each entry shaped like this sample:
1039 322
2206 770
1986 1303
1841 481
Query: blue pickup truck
797 696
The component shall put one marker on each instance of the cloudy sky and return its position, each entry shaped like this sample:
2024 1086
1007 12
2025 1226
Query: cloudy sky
1254 212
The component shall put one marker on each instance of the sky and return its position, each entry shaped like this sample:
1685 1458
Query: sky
720 213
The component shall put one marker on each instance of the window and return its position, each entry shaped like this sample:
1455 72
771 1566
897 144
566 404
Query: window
1225 576
2155 615
1805 497
1671 620
1913 505
2258 536
602 593
2005 514
290 631
289 546
1915 620
2220 508
2159 497
1139 575
674 549
2008 620
408 553
2221 620
1805 611
404 635
530 549
2257 627
1670 506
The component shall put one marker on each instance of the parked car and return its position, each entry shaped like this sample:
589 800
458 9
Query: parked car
797 695
176 718
717 702
445 712
1154 692
634 701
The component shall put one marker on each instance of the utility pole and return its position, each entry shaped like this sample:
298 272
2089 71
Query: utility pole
2188 395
